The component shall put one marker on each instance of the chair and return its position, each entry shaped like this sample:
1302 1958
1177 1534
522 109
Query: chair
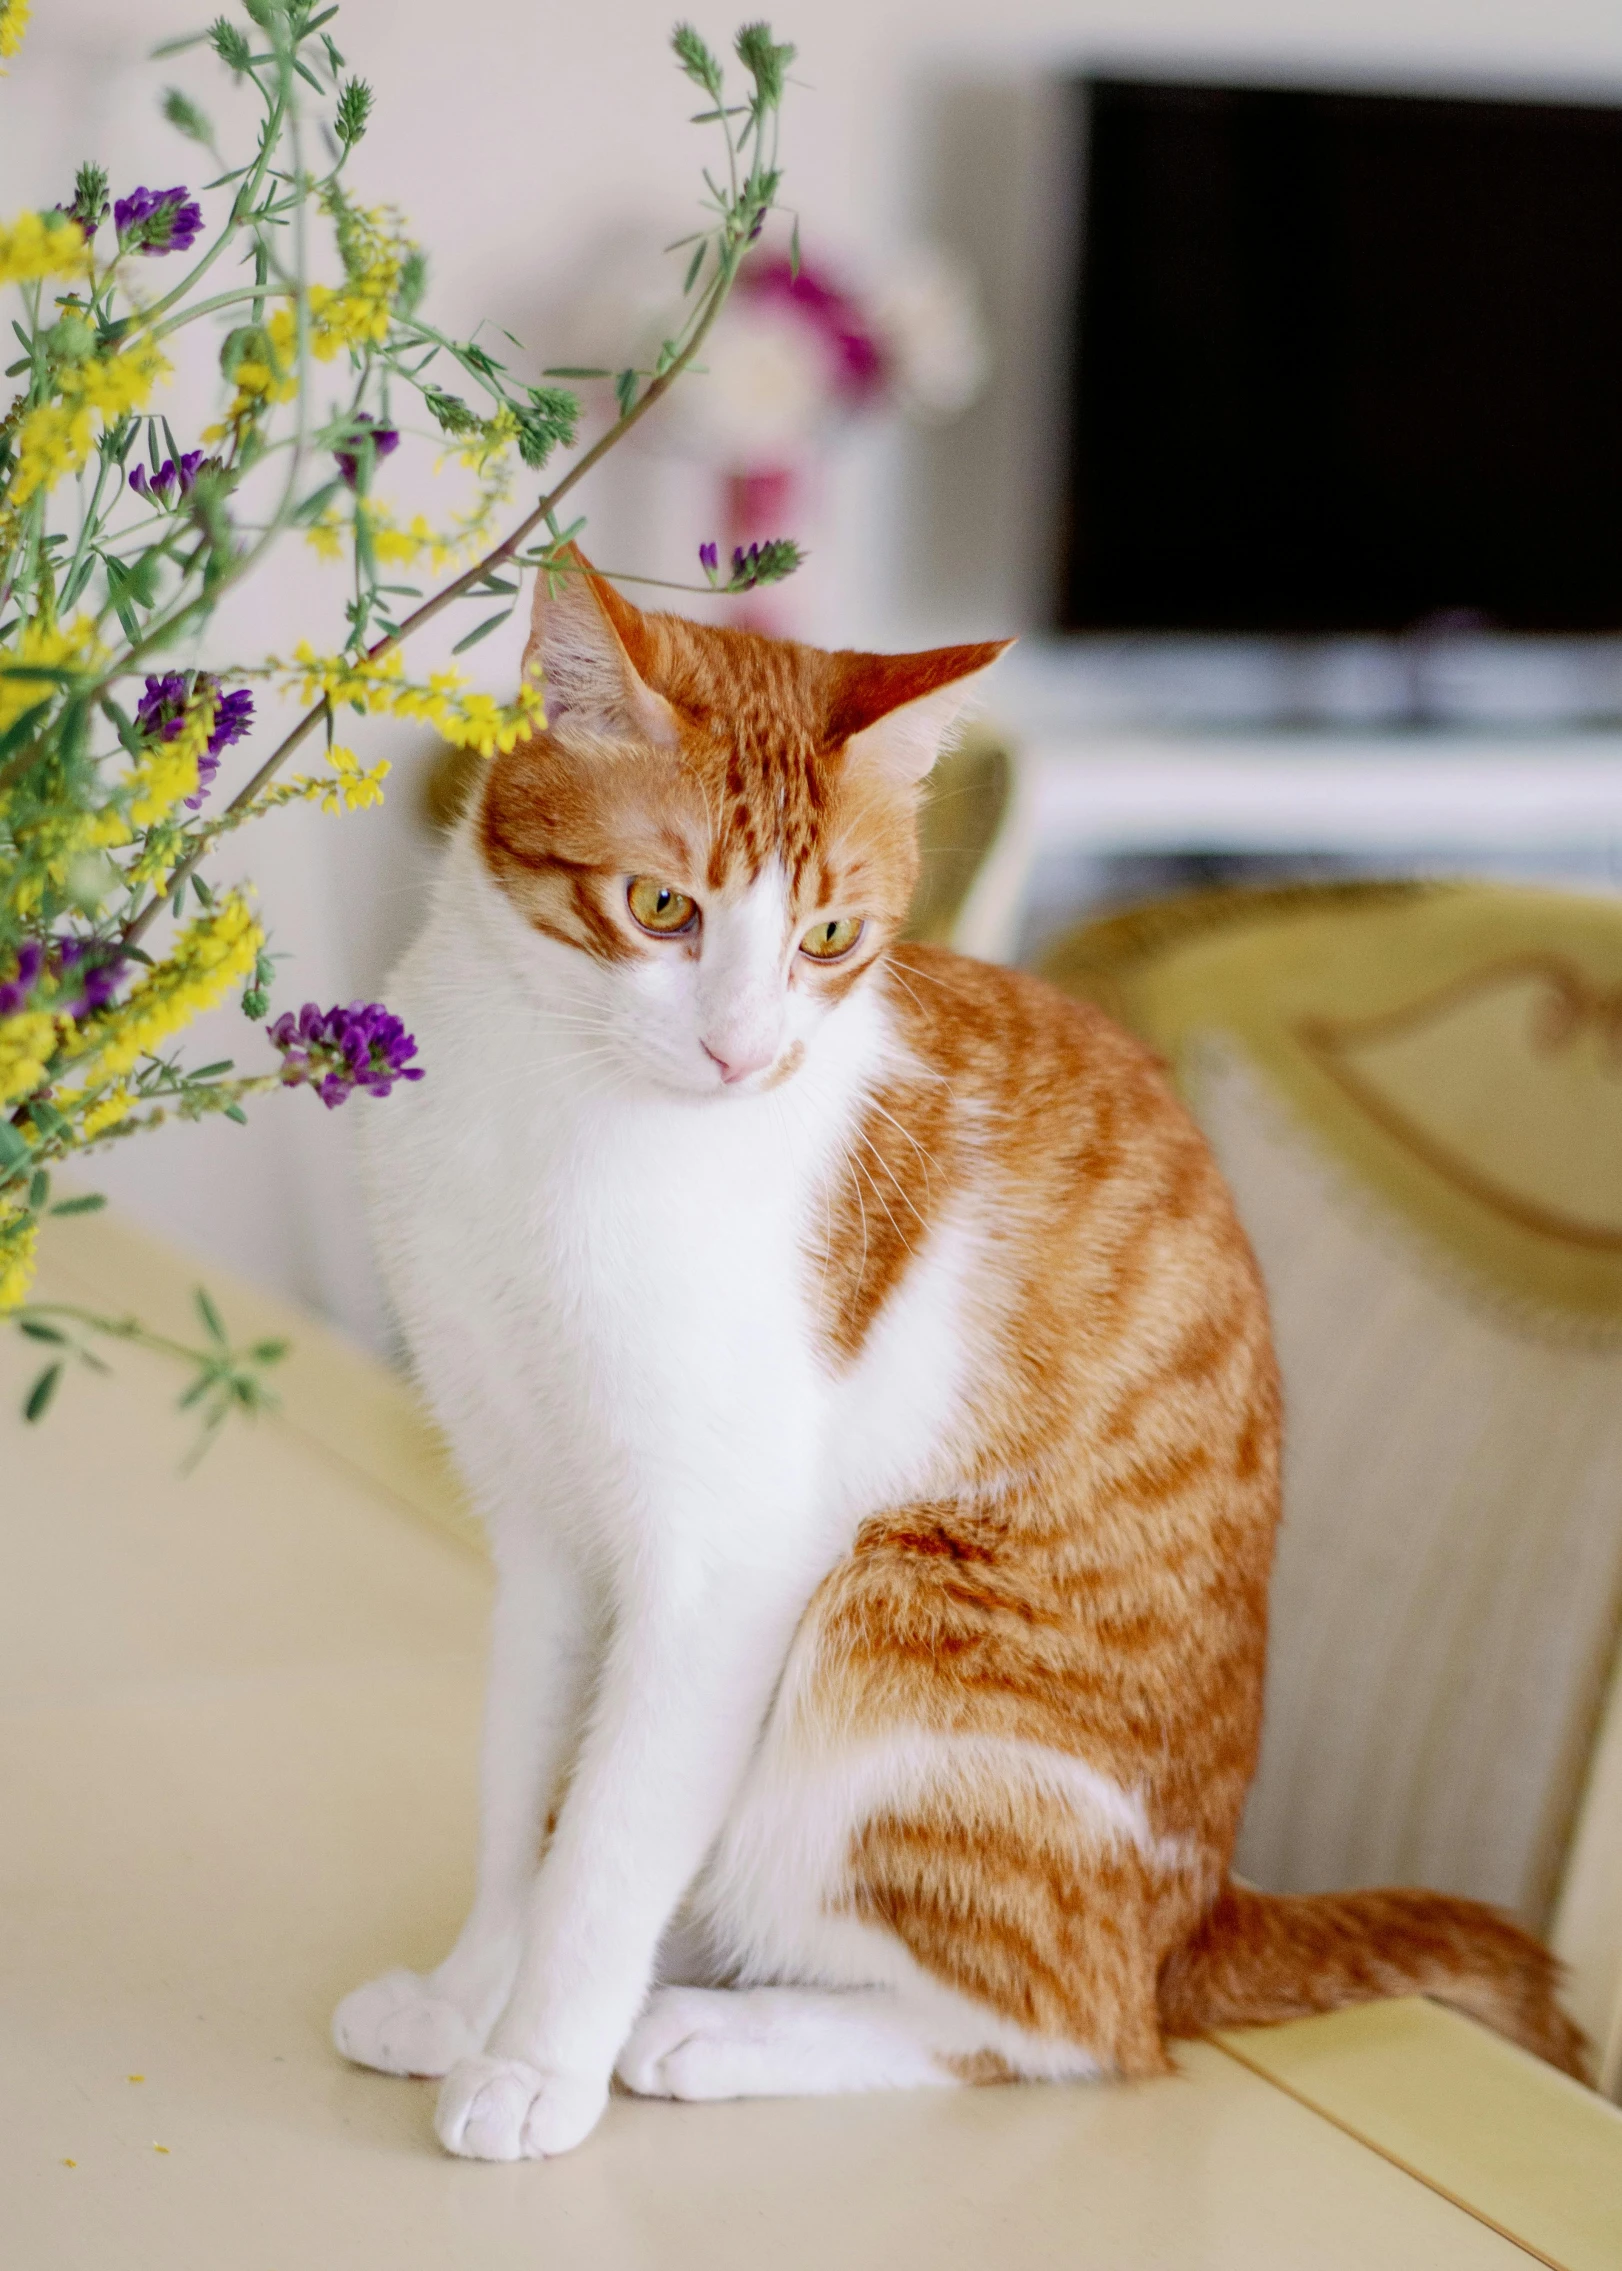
1415 1091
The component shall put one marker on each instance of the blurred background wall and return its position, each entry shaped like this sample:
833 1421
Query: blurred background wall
522 139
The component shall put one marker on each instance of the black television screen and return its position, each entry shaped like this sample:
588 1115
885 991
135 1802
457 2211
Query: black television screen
1344 362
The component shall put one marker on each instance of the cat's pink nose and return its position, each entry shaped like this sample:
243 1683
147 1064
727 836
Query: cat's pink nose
739 1061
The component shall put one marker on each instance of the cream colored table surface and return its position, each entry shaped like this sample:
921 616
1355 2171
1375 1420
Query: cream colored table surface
238 1715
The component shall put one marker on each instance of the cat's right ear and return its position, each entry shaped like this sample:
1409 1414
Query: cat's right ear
585 647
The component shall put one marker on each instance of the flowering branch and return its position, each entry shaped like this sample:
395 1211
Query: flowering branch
107 789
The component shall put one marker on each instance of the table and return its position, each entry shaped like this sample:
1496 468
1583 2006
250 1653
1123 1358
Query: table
238 1715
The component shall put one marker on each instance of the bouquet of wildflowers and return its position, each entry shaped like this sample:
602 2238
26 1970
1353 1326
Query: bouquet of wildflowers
125 756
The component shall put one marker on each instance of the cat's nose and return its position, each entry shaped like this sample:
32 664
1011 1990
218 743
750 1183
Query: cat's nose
740 1059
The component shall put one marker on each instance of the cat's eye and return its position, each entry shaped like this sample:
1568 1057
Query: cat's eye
658 907
827 942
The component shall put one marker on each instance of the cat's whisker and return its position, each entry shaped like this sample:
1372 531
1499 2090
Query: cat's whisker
867 1142
879 1196
928 1158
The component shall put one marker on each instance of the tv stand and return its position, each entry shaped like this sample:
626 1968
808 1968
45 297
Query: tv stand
1107 790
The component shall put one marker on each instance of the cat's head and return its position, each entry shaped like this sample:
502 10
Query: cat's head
714 838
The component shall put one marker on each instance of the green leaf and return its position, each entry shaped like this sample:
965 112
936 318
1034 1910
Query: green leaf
483 631
212 1072
19 731
211 1317
14 1147
91 1203
39 1189
413 282
625 391
77 581
316 503
37 1330
575 371
269 1352
694 265
122 725
235 1112
183 114
40 1394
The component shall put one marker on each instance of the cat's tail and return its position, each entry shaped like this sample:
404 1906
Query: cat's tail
1257 1957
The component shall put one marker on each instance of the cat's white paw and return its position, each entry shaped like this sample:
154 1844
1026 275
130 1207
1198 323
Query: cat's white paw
397 2025
691 2042
502 2109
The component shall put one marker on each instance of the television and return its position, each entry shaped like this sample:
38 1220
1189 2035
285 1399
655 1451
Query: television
1343 363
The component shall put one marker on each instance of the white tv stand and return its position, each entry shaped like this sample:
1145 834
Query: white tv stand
1107 790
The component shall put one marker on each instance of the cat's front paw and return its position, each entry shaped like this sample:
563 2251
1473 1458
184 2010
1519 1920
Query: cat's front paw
398 2025
502 2109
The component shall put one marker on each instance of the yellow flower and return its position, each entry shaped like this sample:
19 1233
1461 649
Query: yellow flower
50 646
13 24
168 769
261 380
466 719
490 439
57 437
375 248
39 244
204 961
325 537
18 1232
105 1113
350 786
28 1042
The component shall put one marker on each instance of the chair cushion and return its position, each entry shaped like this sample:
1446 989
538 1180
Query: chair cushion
1416 1094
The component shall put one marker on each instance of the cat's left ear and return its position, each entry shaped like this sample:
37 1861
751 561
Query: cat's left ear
590 648
894 711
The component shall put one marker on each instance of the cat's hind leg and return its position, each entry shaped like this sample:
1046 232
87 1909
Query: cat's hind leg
906 1908
695 2042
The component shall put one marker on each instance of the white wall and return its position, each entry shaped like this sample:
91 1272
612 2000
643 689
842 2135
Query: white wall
516 136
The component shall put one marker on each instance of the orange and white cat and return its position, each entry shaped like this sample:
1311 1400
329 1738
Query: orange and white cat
869 1394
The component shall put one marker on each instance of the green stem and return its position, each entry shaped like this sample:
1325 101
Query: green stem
657 388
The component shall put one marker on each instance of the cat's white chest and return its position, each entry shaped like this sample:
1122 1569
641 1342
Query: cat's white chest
612 1296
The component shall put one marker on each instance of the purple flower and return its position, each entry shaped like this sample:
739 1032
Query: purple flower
17 988
161 712
53 960
152 221
365 429
170 480
337 1050
709 558
231 720
100 985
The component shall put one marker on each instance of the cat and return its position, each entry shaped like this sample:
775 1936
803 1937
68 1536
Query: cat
869 1394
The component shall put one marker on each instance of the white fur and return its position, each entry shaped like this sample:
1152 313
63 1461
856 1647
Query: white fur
606 1261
